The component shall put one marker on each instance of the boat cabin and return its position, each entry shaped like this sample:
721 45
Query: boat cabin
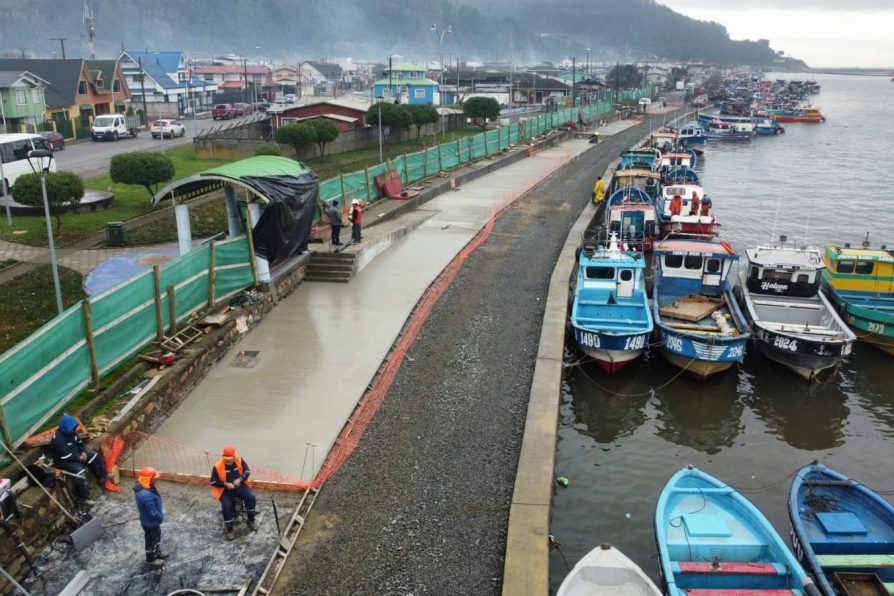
685 191
646 180
639 158
664 140
672 161
859 269
693 266
783 271
610 276
690 131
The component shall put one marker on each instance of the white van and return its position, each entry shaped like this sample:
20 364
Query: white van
114 126
14 150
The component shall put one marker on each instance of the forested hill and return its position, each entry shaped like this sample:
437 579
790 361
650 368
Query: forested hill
520 30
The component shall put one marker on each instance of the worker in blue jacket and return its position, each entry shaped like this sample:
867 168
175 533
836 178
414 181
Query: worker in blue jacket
72 456
151 515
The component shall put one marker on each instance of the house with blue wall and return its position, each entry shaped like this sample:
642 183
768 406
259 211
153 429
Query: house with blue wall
408 84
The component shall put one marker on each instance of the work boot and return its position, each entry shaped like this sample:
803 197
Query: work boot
231 535
252 525
161 555
88 502
156 563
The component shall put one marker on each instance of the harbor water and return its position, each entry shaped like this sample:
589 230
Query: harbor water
622 437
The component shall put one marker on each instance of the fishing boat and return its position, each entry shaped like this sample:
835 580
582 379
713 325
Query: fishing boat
645 180
630 213
809 115
767 126
685 183
740 123
699 325
723 131
692 135
791 321
672 160
664 139
842 532
605 571
610 313
859 281
639 158
712 541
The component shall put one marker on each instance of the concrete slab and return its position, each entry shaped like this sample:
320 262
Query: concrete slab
314 362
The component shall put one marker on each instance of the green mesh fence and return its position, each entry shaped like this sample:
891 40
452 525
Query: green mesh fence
41 374
415 166
400 166
432 161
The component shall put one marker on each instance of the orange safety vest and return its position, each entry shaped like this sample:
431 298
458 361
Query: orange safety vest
221 467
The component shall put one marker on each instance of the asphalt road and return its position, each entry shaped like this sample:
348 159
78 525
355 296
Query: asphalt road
89 159
422 506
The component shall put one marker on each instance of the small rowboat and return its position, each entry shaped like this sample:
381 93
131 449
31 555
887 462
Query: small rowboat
605 571
842 531
713 541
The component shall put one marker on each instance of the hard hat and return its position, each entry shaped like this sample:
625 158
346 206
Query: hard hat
229 451
355 201
148 472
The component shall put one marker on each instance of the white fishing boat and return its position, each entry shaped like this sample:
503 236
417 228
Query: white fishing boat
605 571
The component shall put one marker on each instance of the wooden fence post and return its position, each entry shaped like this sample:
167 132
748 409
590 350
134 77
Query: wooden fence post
344 192
159 320
4 429
440 159
368 185
172 310
486 152
91 345
406 169
212 276
459 152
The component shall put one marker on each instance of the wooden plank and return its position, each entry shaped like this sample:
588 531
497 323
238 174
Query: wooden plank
406 170
726 567
738 592
459 155
159 320
172 310
211 276
91 345
691 308
440 159
4 430
368 190
855 561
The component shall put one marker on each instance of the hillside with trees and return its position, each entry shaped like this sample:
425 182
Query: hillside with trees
520 31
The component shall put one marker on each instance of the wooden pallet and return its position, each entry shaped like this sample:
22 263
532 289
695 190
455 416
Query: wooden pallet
691 308
268 578
181 339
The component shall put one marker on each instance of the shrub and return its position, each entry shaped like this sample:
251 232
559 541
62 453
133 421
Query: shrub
142 168
63 188
296 135
326 131
268 150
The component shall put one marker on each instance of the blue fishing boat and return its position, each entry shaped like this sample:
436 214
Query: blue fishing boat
842 532
699 324
724 131
635 158
692 134
767 126
713 542
610 313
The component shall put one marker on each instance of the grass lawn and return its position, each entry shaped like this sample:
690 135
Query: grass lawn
7 263
29 301
205 221
130 201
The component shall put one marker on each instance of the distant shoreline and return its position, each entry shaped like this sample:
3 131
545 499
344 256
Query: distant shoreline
864 72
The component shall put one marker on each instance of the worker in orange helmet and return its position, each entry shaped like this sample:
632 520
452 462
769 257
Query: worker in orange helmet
151 515
229 481
693 204
676 204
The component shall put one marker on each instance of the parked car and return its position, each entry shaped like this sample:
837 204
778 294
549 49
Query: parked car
167 128
114 126
54 139
241 109
261 106
223 111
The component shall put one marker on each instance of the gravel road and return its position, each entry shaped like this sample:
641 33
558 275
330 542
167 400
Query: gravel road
422 506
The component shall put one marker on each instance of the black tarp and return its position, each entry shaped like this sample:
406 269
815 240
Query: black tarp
285 225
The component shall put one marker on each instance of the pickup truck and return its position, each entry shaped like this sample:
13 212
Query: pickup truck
114 126
223 111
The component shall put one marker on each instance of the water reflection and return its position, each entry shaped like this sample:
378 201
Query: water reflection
608 407
806 416
705 416
860 382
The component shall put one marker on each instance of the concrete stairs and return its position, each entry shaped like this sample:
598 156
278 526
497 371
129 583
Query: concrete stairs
329 266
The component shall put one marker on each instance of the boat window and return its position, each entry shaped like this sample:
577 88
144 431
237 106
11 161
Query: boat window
713 266
845 267
626 274
802 278
673 261
863 267
754 272
772 275
600 272
693 262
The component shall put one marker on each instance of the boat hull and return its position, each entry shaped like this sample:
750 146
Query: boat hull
611 351
697 229
605 570
807 359
793 118
700 369
871 327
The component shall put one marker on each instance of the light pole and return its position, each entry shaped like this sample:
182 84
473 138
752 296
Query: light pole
3 185
143 89
441 33
40 160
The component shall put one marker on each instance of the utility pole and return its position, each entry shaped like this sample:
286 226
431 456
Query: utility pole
143 89
441 33
573 77
61 41
244 80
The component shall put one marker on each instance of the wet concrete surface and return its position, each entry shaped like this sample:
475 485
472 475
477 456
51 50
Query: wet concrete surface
320 348
422 506
192 534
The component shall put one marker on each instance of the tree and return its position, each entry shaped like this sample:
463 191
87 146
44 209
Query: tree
393 115
422 115
481 109
63 189
143 168
298 136
623 76
326 131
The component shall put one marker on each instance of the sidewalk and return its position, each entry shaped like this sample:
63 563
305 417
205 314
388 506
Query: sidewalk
321 347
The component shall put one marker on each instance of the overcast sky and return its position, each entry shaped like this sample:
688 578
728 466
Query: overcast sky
844 33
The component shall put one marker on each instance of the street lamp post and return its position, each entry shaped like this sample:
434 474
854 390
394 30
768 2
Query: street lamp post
441 33
3 185
40 160
143 89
